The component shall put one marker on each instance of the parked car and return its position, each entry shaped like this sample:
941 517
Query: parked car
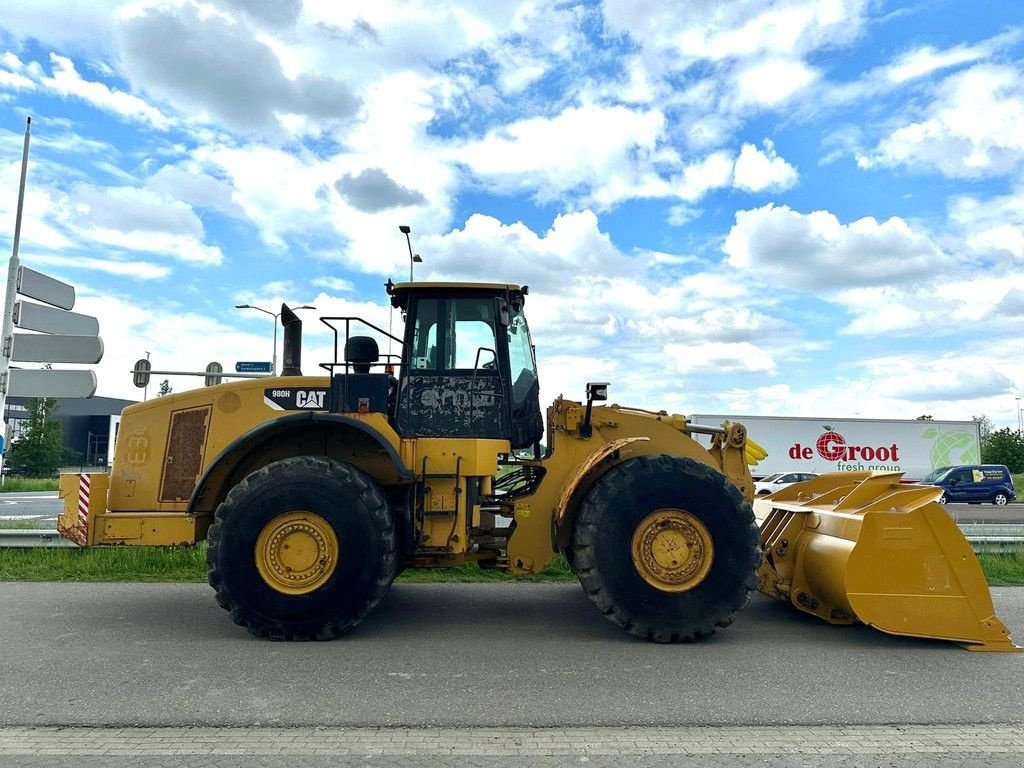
973 483
780 480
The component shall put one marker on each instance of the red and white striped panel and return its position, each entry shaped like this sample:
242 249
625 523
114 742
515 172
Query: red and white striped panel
82 532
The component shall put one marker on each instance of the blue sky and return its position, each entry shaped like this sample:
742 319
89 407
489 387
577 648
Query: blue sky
803 207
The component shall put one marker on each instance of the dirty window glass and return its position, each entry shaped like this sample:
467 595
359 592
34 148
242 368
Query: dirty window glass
424 340
520 357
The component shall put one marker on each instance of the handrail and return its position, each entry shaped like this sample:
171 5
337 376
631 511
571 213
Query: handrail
329 367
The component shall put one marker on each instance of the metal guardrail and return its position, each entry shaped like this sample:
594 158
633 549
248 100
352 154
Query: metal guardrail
983 537
993 537
24 538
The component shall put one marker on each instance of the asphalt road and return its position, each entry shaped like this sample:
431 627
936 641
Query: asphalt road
473 655
42 509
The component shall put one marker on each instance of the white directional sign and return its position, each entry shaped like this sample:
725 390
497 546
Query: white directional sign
42 383
38 317
46 289
41 348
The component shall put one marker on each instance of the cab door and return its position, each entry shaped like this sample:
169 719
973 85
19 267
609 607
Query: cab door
451 383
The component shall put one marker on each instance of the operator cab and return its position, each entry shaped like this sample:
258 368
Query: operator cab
468 367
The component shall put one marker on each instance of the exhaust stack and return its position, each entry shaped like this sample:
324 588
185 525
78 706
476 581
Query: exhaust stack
292 345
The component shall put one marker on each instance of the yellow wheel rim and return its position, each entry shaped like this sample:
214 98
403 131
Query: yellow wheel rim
672 550
296 552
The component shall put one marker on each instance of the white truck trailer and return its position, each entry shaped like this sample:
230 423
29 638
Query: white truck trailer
804 444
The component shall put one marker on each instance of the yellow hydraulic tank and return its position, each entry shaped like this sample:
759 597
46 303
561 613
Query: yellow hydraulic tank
862 546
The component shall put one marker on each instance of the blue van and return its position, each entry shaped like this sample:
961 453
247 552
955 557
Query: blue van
973 483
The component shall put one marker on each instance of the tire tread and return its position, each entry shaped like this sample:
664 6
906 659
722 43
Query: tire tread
379 514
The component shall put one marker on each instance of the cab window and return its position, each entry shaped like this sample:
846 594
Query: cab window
454 334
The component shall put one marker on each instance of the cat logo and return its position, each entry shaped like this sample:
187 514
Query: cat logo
295 399
309 399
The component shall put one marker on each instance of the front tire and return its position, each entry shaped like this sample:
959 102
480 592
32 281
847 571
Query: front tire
302 549
1000 499
666 548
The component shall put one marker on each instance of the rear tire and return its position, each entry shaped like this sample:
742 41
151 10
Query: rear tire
630 529
302 549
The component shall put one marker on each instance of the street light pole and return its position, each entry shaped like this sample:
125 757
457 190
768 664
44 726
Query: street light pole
274 315
405 229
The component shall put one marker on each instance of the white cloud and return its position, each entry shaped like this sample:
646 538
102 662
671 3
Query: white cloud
573 249
923 61
911 70
756 171
187 183
712 30
140 270
948 377
726 324
970 130
65 81
336 284
204 62
991 227
722 357
881 311
181 247
139 219
809 251
569 153
773 82
713 172
276 189
73 24
681 215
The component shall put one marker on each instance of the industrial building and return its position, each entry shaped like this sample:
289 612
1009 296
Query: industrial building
90 425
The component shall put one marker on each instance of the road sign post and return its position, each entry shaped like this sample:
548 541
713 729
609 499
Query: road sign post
63 336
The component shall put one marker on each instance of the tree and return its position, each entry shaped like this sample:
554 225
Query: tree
165 388
985 426
38 451
1004 446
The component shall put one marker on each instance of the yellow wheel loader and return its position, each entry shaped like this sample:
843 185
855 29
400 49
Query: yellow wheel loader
313 492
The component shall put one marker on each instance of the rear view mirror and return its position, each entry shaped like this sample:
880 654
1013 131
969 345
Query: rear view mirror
597 390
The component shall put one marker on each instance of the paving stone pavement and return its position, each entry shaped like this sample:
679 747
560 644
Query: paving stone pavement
184 747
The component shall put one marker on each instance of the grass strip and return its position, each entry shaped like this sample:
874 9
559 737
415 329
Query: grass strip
152 564
18 525
1003 570
24 484
188 564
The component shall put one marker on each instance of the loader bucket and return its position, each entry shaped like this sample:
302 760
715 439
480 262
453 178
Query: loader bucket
861 546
